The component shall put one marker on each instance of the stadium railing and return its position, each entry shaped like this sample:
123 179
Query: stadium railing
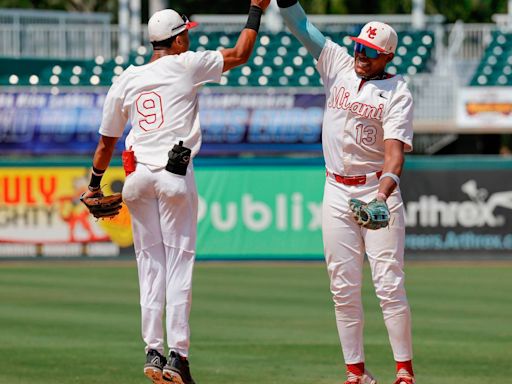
58 34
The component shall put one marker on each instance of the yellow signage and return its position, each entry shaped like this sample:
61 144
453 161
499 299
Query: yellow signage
42 206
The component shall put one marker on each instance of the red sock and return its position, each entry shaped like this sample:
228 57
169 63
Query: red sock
356 369
407 365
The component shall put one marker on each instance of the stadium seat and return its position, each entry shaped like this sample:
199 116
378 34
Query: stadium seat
279 60
495 67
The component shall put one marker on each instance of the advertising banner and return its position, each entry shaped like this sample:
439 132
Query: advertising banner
244 212
41 214
39 123
458 211
260 210
485 107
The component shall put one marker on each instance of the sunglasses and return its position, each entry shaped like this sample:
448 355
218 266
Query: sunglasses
185 22
369 52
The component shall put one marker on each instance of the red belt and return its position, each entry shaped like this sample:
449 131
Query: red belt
351 180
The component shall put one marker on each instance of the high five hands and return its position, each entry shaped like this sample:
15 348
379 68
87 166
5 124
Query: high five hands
263 4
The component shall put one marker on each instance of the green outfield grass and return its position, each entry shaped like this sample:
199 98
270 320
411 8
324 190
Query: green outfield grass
251 324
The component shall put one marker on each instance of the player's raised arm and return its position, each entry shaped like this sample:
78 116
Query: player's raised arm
298 23
240 53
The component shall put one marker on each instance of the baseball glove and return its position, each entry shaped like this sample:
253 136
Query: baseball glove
102 207
372 215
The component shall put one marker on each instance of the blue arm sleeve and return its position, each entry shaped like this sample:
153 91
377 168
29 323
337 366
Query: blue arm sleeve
309 35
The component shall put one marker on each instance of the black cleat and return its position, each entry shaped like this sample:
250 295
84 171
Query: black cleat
177 370
154 366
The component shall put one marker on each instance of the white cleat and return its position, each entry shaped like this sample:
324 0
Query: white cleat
403 377
367 378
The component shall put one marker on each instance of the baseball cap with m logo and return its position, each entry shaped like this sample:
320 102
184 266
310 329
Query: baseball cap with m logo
378 36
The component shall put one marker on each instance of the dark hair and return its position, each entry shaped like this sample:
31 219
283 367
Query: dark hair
167 43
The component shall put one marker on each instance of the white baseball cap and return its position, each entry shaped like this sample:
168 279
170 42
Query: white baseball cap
379 36
167 23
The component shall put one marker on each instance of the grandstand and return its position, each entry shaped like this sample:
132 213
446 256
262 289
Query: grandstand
438 60
279 60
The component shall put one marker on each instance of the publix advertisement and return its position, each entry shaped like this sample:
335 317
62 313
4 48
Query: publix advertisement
259 209
243 213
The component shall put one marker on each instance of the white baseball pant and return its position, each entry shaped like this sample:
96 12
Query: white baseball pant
345 244
163 209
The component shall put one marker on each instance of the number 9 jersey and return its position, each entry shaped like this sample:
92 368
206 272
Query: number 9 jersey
360 115
161 101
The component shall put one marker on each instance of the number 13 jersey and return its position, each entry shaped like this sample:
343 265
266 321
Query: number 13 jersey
358 118
161 101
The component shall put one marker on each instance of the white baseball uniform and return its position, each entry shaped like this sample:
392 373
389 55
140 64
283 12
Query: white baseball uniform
160 99
359 116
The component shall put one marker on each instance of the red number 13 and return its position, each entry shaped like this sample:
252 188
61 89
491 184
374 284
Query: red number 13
149 107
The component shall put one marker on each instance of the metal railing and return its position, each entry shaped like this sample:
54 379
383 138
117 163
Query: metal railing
55 34
470 39
434 99
20 17
465 47
63 42
503 21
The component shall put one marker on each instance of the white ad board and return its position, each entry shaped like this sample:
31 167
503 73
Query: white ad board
485 107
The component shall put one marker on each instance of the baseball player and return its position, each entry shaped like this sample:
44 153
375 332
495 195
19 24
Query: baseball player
160 99
367 127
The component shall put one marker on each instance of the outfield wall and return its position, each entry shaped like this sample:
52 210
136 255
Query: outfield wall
258 209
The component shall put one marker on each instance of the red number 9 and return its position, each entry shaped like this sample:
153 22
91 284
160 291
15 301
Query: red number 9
149 107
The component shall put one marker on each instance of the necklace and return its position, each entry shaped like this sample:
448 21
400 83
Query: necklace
380 76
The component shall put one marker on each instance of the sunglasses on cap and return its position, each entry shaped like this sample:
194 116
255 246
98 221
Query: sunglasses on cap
370 53
185 22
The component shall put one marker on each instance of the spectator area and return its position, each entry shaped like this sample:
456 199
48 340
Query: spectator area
495 68
279 60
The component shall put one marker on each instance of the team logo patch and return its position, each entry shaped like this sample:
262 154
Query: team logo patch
372 32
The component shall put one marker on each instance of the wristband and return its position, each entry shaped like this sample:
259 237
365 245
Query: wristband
93 189
381 196
254 18
395 178
286 3
96 176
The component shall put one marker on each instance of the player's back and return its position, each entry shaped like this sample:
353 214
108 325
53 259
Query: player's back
160 100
